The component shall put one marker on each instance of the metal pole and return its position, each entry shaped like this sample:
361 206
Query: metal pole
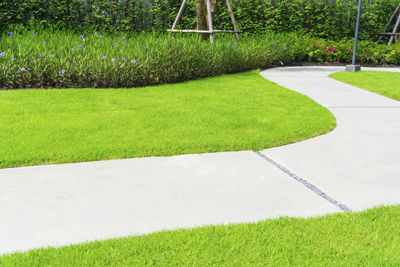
357 32
353 67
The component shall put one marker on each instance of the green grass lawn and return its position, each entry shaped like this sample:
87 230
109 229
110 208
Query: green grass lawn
232 112
370 238
383 83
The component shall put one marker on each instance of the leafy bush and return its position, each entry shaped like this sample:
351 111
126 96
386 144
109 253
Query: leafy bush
330 19
60 59
64 59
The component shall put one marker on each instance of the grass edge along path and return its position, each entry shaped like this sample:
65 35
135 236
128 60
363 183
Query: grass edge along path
369 238
227 113
381 82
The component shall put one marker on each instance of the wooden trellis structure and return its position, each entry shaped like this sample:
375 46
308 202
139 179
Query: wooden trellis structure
394 34
210 30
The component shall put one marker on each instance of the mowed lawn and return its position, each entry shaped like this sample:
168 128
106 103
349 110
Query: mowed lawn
370 238
231 112
383 83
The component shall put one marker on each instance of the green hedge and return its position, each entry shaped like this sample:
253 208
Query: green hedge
331 19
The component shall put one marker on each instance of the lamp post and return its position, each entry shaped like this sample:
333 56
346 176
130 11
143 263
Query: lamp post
353 67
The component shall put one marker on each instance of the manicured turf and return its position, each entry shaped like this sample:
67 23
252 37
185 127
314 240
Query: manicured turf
383 83
231 112
370 238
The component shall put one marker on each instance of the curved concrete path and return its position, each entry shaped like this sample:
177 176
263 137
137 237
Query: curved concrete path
359 162
354 167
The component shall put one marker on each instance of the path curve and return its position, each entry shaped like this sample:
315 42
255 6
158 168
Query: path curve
352 168
357 163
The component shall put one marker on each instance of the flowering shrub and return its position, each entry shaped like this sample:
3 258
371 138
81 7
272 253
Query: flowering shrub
61 59
367 52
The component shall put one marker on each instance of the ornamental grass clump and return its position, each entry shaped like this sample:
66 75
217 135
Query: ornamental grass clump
65 59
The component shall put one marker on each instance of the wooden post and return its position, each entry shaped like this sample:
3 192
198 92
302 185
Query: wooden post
233 20
390 22
204 16
209 21
179 14
394 30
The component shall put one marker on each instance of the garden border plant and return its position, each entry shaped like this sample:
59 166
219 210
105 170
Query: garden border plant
60 59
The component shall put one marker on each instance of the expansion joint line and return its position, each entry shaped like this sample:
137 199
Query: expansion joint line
306 183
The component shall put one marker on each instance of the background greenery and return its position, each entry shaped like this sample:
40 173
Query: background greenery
331 19
63 59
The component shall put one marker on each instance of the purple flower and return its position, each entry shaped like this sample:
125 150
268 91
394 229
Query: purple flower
40 55
51 55
138 42
229 44
146 48
273 42
13 58
73 48
113 59
29 69
113 44
2 54
124 37
284 48
62 71
80 47
125 43
100 36
123 58
34 33
10 33
132 61
104 57
83 39
81 35
22 69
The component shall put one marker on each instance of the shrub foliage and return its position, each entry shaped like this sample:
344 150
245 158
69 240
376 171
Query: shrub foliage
66 59
331 19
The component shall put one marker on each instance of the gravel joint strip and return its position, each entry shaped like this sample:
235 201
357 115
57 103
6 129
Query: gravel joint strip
306 183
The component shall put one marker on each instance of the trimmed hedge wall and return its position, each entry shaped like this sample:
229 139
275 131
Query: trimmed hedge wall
331 19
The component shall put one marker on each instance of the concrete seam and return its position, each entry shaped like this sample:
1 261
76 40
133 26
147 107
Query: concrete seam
306 183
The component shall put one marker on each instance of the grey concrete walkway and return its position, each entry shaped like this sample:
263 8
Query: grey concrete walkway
359 162
354 167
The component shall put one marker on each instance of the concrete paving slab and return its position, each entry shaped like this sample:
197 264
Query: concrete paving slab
58 205
359 162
